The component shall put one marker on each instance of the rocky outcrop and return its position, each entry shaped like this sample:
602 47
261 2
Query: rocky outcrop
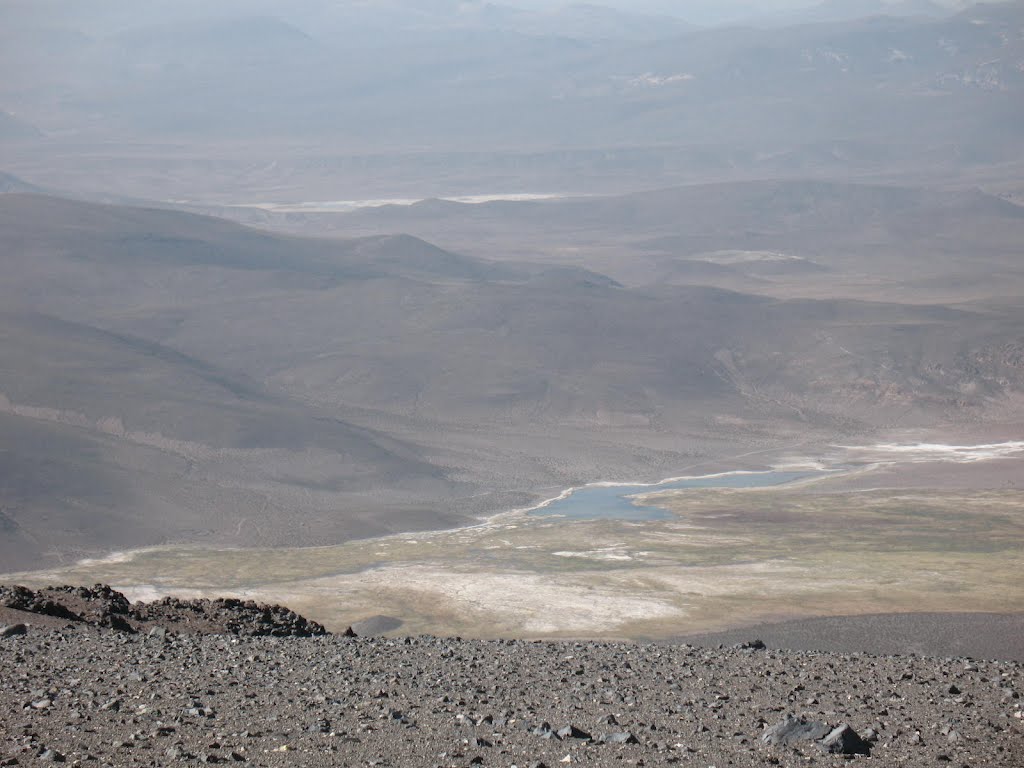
104 606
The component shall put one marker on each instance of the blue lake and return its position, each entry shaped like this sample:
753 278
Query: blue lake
603 502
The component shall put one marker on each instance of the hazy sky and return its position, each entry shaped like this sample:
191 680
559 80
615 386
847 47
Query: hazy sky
714 10
682 8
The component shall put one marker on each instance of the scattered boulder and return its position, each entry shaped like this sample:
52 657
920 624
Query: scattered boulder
13 630
752 645
118 623
840 740
793 731
544 731
572 732
843 740
622 737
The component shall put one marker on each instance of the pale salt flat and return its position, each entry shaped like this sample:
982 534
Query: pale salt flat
346 206
922 452
595 554
527 603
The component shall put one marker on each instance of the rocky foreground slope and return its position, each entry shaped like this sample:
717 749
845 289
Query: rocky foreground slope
229 681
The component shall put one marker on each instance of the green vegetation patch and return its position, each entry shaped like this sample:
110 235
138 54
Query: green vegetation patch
726 557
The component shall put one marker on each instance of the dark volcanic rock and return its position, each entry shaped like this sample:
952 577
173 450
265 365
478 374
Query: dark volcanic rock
624 737
844 740
24 599
839 740
181 696
793 731
572 732
104 606
545 731
13 630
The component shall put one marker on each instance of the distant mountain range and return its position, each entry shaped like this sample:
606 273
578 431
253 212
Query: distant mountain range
491 76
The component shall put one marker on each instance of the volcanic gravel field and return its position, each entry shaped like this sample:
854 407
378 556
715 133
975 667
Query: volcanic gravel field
231 681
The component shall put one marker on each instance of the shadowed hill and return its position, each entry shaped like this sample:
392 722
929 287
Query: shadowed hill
132 236
784 238
189 378
115 441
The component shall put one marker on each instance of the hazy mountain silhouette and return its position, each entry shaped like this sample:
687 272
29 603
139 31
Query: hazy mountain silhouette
238 72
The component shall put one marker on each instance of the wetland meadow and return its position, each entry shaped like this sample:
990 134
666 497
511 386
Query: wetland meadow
651 561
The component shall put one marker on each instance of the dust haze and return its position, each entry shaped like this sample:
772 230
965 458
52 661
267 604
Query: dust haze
280 276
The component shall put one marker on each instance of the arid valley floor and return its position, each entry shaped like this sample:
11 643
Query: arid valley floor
873 536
